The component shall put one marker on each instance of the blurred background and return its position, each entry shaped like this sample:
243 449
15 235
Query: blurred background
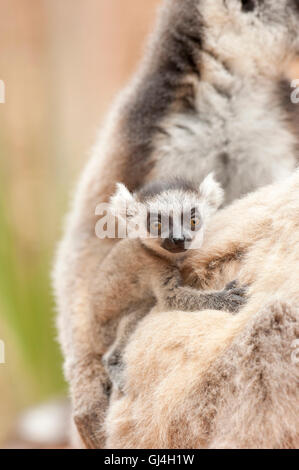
62 62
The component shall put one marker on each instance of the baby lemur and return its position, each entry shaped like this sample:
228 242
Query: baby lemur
163 220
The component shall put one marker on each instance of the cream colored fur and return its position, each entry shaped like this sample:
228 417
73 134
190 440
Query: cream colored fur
210 379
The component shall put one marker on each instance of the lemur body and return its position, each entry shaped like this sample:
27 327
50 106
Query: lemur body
206 97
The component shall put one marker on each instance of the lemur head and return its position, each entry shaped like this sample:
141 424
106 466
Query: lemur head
257 35
168 216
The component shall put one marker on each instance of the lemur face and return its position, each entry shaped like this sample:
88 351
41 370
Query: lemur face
169 216
261 34
174 217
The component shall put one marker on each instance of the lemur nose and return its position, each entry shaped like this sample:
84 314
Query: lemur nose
174 245
179 241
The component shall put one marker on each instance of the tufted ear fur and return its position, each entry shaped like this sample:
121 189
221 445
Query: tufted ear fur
123 204
212 192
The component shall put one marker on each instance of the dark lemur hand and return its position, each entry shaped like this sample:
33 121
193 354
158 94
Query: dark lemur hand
172 295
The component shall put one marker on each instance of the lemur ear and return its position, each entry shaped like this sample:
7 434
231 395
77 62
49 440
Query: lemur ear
122 203
211 190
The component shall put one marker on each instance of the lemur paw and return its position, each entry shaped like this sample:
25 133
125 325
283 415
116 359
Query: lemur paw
233 297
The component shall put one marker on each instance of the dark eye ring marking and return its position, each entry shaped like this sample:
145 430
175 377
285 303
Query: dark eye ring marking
248 5
195 221
154 224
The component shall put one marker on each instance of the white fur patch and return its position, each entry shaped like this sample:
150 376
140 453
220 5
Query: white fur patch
211 191
122 203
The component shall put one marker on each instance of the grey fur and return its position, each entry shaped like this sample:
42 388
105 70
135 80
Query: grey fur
153 188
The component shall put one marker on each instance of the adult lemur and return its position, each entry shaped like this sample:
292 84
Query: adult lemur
207 97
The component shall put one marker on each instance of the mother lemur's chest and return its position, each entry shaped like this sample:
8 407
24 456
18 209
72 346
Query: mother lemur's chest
244 138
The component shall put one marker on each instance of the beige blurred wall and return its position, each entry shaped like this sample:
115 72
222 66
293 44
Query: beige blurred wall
62 62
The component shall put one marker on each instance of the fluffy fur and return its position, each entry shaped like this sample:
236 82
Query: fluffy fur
207 97
210 379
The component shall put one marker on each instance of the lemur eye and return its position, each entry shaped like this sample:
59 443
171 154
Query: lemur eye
195 222
248 5
156 226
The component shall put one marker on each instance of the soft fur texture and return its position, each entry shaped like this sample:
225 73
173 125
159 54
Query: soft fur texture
210 379
207 97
